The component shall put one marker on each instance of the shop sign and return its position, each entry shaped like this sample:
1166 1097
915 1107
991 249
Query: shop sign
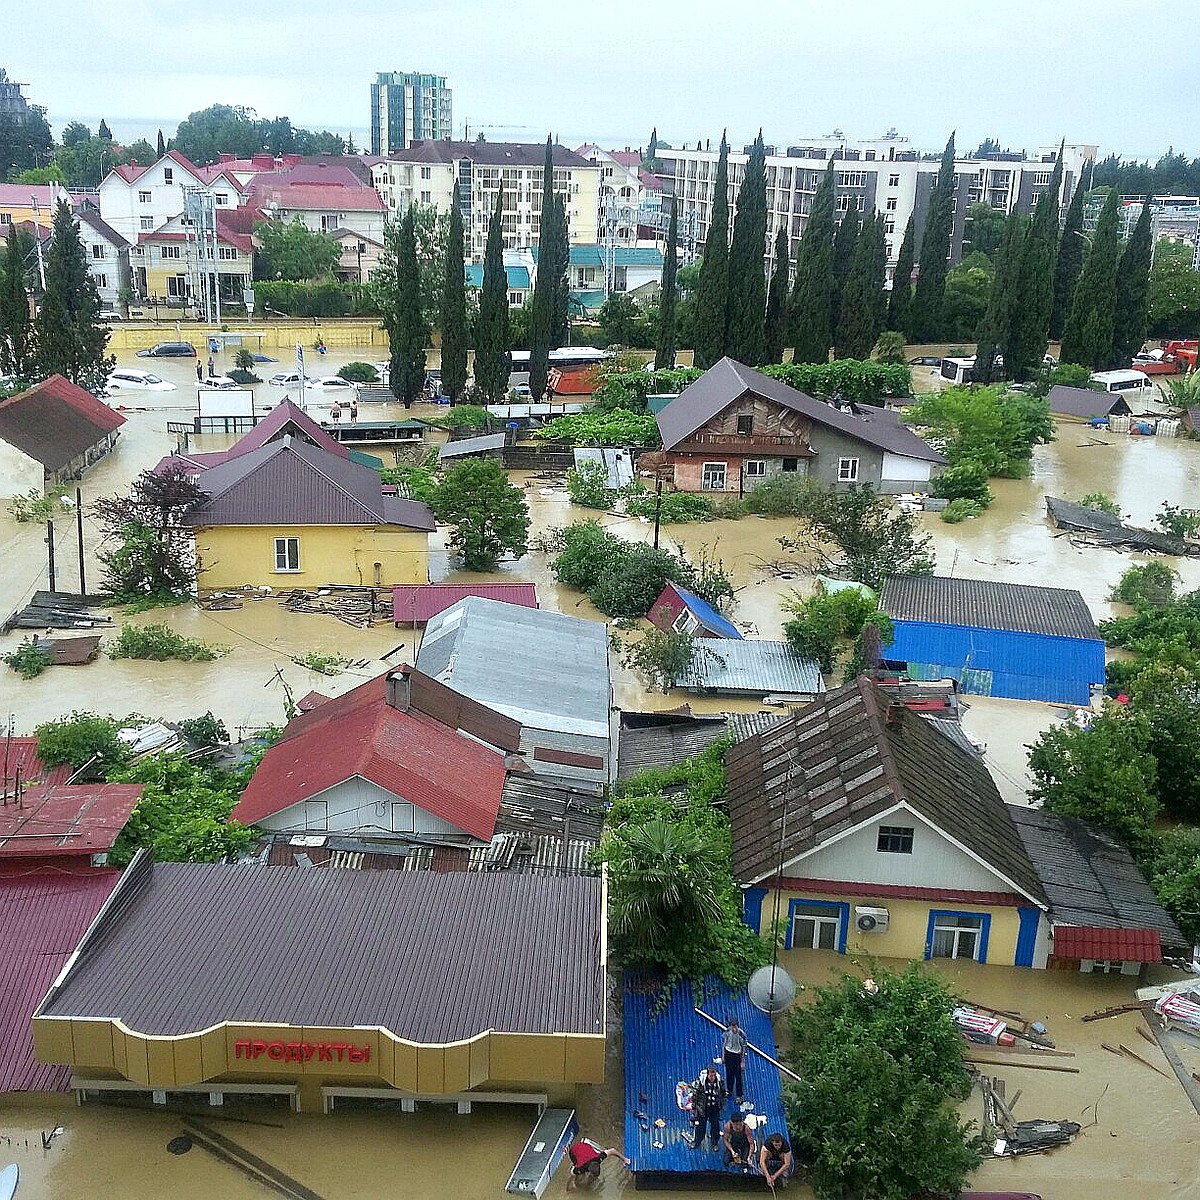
302 1052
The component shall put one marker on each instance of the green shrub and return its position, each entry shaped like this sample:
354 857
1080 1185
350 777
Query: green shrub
80 737
1069 375
675 508
244 377
891 348
787 494
157 643
204 731
821 625
964 480
462 416
33 506
1178 522
1101 502
1151 585
624 383
323 664
960 510
587 485
411 482
359 372
29 660
860 381
591 428
322 298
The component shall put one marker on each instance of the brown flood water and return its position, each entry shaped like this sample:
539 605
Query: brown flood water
1145 1142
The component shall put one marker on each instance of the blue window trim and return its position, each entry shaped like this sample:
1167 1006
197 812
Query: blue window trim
984 932
842 909
1027 936
752 902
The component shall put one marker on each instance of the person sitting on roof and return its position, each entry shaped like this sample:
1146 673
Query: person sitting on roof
587 1158
775 1161
738 1141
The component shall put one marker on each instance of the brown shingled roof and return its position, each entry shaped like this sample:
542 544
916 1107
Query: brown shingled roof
56 421
845 759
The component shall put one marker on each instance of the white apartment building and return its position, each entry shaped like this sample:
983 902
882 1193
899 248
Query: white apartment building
108 257
622 195
427 172
137 199
407 107
885 175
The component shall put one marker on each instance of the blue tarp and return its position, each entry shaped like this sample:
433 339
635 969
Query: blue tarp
708 616
1001 662
675 1044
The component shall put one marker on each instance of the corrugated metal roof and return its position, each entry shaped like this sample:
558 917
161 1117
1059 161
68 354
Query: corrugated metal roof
43 914
727 381
544 669
485 443
422 601
517 277
710 619
618 464
431 957
292 482
21 754
752 667
76 818
1080 402
1090 878
287 418
988 604
841 761
673 1044
54 421
666 744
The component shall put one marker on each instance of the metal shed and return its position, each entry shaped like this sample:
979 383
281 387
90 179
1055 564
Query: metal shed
995 639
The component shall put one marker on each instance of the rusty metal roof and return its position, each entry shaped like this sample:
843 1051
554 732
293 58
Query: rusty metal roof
845 759
423 601
55 421
431 957
76 818
43 914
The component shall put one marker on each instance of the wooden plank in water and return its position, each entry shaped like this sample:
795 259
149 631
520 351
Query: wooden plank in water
1104 1013
1186 1081
1014 1061
282 1182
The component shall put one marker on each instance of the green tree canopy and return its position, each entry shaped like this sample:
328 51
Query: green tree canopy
25 141
493 359
16 326
1069 262
747 292
712 294
452 316
549 271
899 315
289 250
1088 336
777 318
1174 292
994 328
1131 318
845 242
935 252
407 332
984 229
812 292
238 130
1033 295
490 516
664 355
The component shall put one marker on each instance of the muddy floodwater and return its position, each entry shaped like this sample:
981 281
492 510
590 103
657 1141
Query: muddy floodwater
1143 1142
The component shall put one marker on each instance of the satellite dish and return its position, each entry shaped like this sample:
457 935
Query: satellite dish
771 989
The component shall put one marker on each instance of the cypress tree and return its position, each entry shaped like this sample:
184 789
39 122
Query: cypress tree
16 329
652 149
560 313
1033 289
899 315
861 309
712 293
929 300
454 307
1069 264
406 328
493 357
845 242
664 355
542 303
162 145
879 297
775 324
1088 336
812 292
747 281
997 318
104 133
70 337
1133 291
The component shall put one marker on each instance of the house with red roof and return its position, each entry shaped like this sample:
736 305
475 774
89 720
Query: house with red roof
58 426
399 759
164 264
323 197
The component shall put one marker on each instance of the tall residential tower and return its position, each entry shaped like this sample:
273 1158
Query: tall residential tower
408 107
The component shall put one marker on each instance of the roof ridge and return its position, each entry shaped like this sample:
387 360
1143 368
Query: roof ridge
881 728
376 517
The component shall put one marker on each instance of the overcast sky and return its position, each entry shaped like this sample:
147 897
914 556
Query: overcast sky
1025 71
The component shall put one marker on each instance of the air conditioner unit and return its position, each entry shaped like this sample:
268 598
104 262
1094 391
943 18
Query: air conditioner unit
871 920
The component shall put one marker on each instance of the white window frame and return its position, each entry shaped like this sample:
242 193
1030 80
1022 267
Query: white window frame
283 554
222 199
954 931
685 622
708 477
174 253
97 252
892 201
847 470
145 197
893 181
147 224
101 281
227 253
895 833
168 175
759 470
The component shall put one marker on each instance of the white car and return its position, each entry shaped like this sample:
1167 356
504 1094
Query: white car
333 382
220 383
291 379
126 379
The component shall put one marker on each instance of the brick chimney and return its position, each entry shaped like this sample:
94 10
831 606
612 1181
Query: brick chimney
399 689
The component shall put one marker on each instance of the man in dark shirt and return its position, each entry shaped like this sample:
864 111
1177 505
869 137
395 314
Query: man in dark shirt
708 1103
738 1141
775 1161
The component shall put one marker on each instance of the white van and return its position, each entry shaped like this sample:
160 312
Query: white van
958 370
1121 381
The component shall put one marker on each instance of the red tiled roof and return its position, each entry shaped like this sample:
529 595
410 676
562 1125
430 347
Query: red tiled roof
572 381
55 421
891 891
1106 945
409 754
423 601
75 818
20 754
326 196
225 233
43 914
131 171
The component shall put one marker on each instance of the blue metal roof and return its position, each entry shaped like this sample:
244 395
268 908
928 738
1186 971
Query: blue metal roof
518 277
1001 662
708 616
625 256
674 1045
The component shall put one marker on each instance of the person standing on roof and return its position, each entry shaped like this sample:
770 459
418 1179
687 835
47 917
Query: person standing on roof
733 1046
708 1103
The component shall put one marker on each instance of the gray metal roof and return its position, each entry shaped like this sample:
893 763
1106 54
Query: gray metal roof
757 668
485 443
618 464
667 743
294 482
1067 401
728 381
432 957
988 604
541 668
1089 877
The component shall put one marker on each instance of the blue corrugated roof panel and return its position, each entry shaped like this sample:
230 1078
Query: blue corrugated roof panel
708 616
673 1045
1001 662
518 277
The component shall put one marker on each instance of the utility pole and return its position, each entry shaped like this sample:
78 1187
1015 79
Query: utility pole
657 510
37 239
50 551
79 535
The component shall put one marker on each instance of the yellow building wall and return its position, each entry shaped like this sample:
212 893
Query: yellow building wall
229 556
158 271
908 924
129 337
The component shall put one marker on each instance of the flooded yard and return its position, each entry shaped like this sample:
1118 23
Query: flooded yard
1144 1142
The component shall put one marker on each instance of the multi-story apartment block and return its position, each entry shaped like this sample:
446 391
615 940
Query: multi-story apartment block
167 267
885 175
12 102
427 172
408 107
